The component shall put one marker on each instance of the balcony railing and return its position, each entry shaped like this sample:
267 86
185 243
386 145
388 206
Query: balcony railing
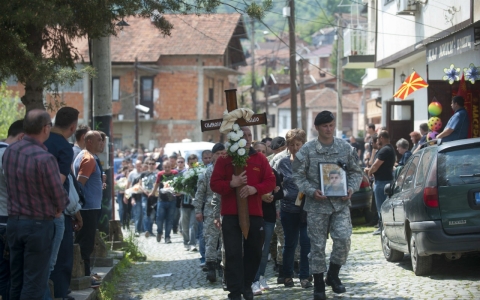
356 43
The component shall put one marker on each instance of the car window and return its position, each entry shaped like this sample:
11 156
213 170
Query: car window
410 174
456 167
423 167
400 179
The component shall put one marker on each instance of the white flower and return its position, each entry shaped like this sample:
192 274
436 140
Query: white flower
240 133
242 143
241 152
230 135
234 148
236 127
236 137
227 145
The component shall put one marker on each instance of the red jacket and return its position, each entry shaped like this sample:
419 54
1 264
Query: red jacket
259 175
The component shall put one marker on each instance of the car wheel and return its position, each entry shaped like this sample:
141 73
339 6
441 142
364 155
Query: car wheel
390 254
422 265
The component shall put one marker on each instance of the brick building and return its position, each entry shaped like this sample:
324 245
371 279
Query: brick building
181 77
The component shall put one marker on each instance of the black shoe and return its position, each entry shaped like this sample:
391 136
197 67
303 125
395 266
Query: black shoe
333 280
248 293
234 297
167 240
211 274
288 282
319 287
280 278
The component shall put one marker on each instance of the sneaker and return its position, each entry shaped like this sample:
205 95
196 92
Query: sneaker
94 284
256 289
167 240
376 225
96 277
194 249
305 283
263 283
137 234
159 238
202 264
147 234
377 232
187 247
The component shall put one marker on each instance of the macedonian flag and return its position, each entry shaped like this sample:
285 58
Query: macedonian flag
411 84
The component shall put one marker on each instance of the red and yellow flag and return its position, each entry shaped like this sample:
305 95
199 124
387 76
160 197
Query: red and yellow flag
413 83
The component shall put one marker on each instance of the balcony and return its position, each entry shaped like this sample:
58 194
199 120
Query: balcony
357 51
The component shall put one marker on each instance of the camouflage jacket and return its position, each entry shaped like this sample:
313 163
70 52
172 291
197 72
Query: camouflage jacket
276 159
307 175
205 198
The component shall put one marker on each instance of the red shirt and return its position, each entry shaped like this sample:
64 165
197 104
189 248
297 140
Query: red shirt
161 173
33 180
259 175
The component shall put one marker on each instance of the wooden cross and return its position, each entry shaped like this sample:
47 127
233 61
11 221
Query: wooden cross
257 119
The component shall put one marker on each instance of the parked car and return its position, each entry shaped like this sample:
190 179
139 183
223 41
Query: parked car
433 206
361 200
187 147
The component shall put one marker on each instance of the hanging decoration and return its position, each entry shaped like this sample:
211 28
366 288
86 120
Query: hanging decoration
434 124
472 73
435 109
413 83
451 74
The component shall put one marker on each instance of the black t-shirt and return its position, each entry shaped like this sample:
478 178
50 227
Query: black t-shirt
387 155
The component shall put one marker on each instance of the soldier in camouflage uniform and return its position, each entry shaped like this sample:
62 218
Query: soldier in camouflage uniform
205 198
326 214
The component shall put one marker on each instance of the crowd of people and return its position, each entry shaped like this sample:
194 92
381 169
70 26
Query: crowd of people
50 189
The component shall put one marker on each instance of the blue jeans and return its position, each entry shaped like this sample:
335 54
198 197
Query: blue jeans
380 197
147 219
30 243
268 228
57 240
4 265
201 241
138 213
292 228
165 213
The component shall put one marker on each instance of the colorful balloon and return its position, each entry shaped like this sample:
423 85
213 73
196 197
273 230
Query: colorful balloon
435 109
432 135
434 124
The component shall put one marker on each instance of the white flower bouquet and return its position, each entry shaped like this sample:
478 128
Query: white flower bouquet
236 146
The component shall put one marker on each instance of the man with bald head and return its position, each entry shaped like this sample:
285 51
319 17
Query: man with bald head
35 197
88 173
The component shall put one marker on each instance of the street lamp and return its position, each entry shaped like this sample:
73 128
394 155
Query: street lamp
402 77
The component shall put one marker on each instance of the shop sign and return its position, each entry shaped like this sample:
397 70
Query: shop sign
450 46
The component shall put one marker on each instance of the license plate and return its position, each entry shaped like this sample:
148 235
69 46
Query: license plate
477 198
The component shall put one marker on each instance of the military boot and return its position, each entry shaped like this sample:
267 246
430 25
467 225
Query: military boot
333 280
211 273
281 277
319 287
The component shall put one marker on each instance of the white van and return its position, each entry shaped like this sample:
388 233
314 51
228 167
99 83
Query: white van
187 147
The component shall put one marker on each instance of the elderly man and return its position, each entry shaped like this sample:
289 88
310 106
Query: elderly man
242 256
89 176
326 213
35 197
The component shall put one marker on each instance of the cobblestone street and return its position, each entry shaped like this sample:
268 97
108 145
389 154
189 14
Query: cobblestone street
367 275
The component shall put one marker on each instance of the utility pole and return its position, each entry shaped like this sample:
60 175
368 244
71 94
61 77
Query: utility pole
253 89
339 124
102 120
266 97
302 97
135 110
293 65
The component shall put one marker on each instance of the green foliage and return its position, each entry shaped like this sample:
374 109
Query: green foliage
11 109
109 289
350 75
131 249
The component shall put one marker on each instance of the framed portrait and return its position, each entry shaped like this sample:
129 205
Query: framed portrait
333 180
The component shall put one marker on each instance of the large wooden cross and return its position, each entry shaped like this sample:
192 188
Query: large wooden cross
257 119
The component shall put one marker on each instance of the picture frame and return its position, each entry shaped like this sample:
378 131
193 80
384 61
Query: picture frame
333 180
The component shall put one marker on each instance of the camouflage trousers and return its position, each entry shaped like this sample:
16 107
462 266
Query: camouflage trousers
213 240
340 232
280 242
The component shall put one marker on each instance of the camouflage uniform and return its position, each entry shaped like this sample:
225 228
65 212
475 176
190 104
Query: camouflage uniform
333 211
205 198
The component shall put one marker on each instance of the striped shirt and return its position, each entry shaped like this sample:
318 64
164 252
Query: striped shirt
33 180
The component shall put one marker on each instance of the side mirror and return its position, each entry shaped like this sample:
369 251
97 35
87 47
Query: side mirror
388 189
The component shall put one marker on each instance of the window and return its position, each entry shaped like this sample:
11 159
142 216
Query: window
115 88
146 89
424 165
211 90
330 85
400 179
285 123
456 166
410 175
222 92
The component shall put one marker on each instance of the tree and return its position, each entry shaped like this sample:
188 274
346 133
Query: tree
11 110
37 35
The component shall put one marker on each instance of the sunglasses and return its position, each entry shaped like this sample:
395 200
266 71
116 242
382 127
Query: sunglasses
180 162
151 164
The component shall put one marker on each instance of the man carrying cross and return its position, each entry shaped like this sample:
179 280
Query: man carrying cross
242 256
